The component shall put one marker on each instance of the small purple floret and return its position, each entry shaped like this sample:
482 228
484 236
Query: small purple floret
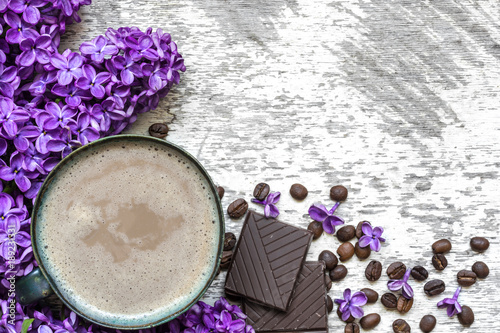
320 213
270 209
372 237
451 304
351 304
395 285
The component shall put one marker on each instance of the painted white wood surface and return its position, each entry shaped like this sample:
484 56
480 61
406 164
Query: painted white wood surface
397 100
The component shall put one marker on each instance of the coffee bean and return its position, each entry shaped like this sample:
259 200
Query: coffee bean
441 246
371 294
370 321
362 252
359 230
158 130
427 323
404 304
466 317
338 273
220 191
261 191
349 320
396 270
439 261
434 287
316 228
466 278
328 282
373 271
329 259
351 328
481 269
346 233
229 241
401 326
389 300
345 251
419 273
298 191
237 208
479 244
226 259
338 193
329 303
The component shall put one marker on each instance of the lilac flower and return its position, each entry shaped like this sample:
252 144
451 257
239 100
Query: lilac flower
29 9
69 65
16 172
226 323
118 92
34 50
58 117
98 48
10 234
93 81
351 304
10 117
321 214
129 68
371 236
157 75
39 86
395 285
24 137
82 130
8 208
4 50
141 48
73 95
270 209
19 29
451 304
65 144
7 76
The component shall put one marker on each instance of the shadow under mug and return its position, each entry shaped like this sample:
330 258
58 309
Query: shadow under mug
39 284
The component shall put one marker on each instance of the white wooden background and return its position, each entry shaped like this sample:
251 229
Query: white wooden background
397 100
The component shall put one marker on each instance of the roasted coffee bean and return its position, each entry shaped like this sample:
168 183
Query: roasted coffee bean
427 323
346 233
479 244
328 282
370 321
404 304
396 270
481 269
351 328
401 326
371 294
345 251
362 252
419 273
466 278
316 228
298 191
158 130
229 241
338 273
329 259
237 208
434 287
466 317
227 256
359 230
389 300
373 270
338 193
349 320
441 246
439 261
261 191
220 191
329 303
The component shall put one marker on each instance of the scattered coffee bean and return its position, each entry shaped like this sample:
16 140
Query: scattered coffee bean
466 278
237 208
370 321
419 273
298 191
329 259
349 320
389 300
466 317
427 323
261 191
338 193
229 241
373 271
338 273
441 246
434 287
316 228
345 251
371 294
401 326
359 230
158 130
362 252
439 261
479 244
226 259
328 282
481 269
404 304
329 303
396 270
346 233
220 191
351 328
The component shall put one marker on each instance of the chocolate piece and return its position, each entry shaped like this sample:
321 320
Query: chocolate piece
307 311
267 261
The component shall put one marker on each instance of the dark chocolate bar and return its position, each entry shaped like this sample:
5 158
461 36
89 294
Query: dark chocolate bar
267 261
307 311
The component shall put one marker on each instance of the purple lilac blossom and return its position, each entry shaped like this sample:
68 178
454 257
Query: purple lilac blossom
351 304
270 209
451 304
320 213
372 237
395 285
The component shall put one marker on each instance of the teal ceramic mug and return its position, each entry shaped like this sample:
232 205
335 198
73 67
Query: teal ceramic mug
130 255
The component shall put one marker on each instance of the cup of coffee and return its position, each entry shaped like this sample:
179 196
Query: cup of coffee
127 231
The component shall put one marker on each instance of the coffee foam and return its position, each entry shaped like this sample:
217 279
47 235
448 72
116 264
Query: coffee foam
128 232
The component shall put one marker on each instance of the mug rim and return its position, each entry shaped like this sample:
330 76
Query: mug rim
46 184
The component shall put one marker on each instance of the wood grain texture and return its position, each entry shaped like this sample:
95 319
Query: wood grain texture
398 100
